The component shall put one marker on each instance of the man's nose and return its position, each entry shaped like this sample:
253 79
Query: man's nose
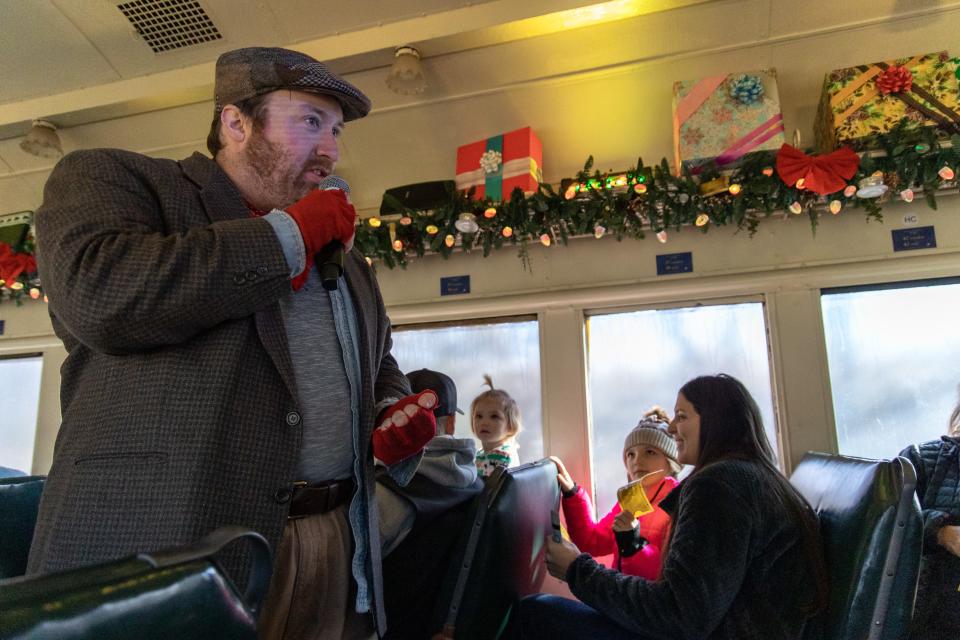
329 147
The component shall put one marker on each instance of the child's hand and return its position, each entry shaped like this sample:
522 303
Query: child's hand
563 476
559 557
405 428
949 538
624 521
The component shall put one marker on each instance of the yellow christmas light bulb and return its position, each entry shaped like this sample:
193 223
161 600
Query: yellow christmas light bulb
507 232
432 229
369 260
907 195
491 212
946 173
406 220
35 293
702 220
640 188
598 231
735 189
800 183
850 190
835 206
662 236
767 171
46 299
796 208
374 222
545 239
569 193
16 286
397 245
449 240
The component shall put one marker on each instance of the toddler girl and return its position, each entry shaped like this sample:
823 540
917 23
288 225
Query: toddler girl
495 421
649 452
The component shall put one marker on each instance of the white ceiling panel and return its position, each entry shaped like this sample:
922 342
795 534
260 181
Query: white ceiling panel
309 19
42 51
113 35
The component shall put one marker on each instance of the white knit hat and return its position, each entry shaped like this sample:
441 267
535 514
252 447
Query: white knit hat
652 431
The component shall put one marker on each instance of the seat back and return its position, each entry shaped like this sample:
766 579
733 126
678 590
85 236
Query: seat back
501 554
872 532
19 502
177 593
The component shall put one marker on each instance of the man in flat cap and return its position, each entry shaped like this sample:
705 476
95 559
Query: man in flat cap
211 379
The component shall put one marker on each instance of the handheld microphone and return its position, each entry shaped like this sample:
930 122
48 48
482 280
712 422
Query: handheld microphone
330 257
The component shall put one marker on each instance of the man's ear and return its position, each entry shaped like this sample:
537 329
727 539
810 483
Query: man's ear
234 125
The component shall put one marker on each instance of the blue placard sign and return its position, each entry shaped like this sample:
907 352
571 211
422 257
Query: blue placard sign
914 238
454 285
668 263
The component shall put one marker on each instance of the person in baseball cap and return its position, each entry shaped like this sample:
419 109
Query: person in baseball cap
440 383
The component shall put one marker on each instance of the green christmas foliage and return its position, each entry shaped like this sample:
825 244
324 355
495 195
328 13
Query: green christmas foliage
653 199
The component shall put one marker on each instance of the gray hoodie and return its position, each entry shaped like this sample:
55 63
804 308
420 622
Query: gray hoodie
446 476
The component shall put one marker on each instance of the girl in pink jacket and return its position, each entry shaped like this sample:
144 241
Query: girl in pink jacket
648 452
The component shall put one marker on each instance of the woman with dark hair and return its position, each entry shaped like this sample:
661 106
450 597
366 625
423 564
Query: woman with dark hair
937 616
744 559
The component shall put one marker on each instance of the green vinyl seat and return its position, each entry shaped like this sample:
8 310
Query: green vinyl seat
19 501
180 593
500 556
872 532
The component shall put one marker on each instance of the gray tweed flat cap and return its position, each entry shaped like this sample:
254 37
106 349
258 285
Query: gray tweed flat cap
254 71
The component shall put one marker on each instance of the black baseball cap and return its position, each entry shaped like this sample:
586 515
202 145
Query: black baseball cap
439 383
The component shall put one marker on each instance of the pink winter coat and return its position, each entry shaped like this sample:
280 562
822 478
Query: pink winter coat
596 538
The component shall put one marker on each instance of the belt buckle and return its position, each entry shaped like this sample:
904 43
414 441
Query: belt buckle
298 484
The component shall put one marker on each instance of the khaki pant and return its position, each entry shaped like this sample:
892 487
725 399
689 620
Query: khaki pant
312 594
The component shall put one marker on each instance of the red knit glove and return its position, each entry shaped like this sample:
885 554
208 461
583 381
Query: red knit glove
405 428
323 215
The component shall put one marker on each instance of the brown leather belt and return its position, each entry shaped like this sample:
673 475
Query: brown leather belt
311 499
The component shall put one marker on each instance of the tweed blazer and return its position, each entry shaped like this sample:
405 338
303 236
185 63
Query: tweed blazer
180 412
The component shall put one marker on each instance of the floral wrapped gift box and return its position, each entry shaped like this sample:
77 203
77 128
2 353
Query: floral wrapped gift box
859 103
723 118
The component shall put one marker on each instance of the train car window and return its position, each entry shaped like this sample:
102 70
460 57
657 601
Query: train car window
892 352
20 398
507 349
641 358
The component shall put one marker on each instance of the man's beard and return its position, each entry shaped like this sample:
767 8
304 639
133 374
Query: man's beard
278 183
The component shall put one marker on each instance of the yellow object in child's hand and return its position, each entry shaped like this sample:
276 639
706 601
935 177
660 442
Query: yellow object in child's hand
632 498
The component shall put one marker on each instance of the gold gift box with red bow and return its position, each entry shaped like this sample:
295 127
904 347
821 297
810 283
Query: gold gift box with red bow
859 103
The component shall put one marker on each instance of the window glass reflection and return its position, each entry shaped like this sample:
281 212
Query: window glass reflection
893 357
20 399
508 351
642 358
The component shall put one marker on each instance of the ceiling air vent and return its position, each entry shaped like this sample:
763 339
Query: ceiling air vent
166 25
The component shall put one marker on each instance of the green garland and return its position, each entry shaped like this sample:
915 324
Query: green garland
907 156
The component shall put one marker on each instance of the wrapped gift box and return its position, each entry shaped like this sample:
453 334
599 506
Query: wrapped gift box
723 118
497 165
858 103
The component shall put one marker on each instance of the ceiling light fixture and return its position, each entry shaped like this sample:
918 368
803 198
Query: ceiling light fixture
406 74
42 141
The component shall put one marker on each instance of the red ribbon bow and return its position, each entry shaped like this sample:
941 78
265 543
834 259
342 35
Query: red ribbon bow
895 79
820 174
12 265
